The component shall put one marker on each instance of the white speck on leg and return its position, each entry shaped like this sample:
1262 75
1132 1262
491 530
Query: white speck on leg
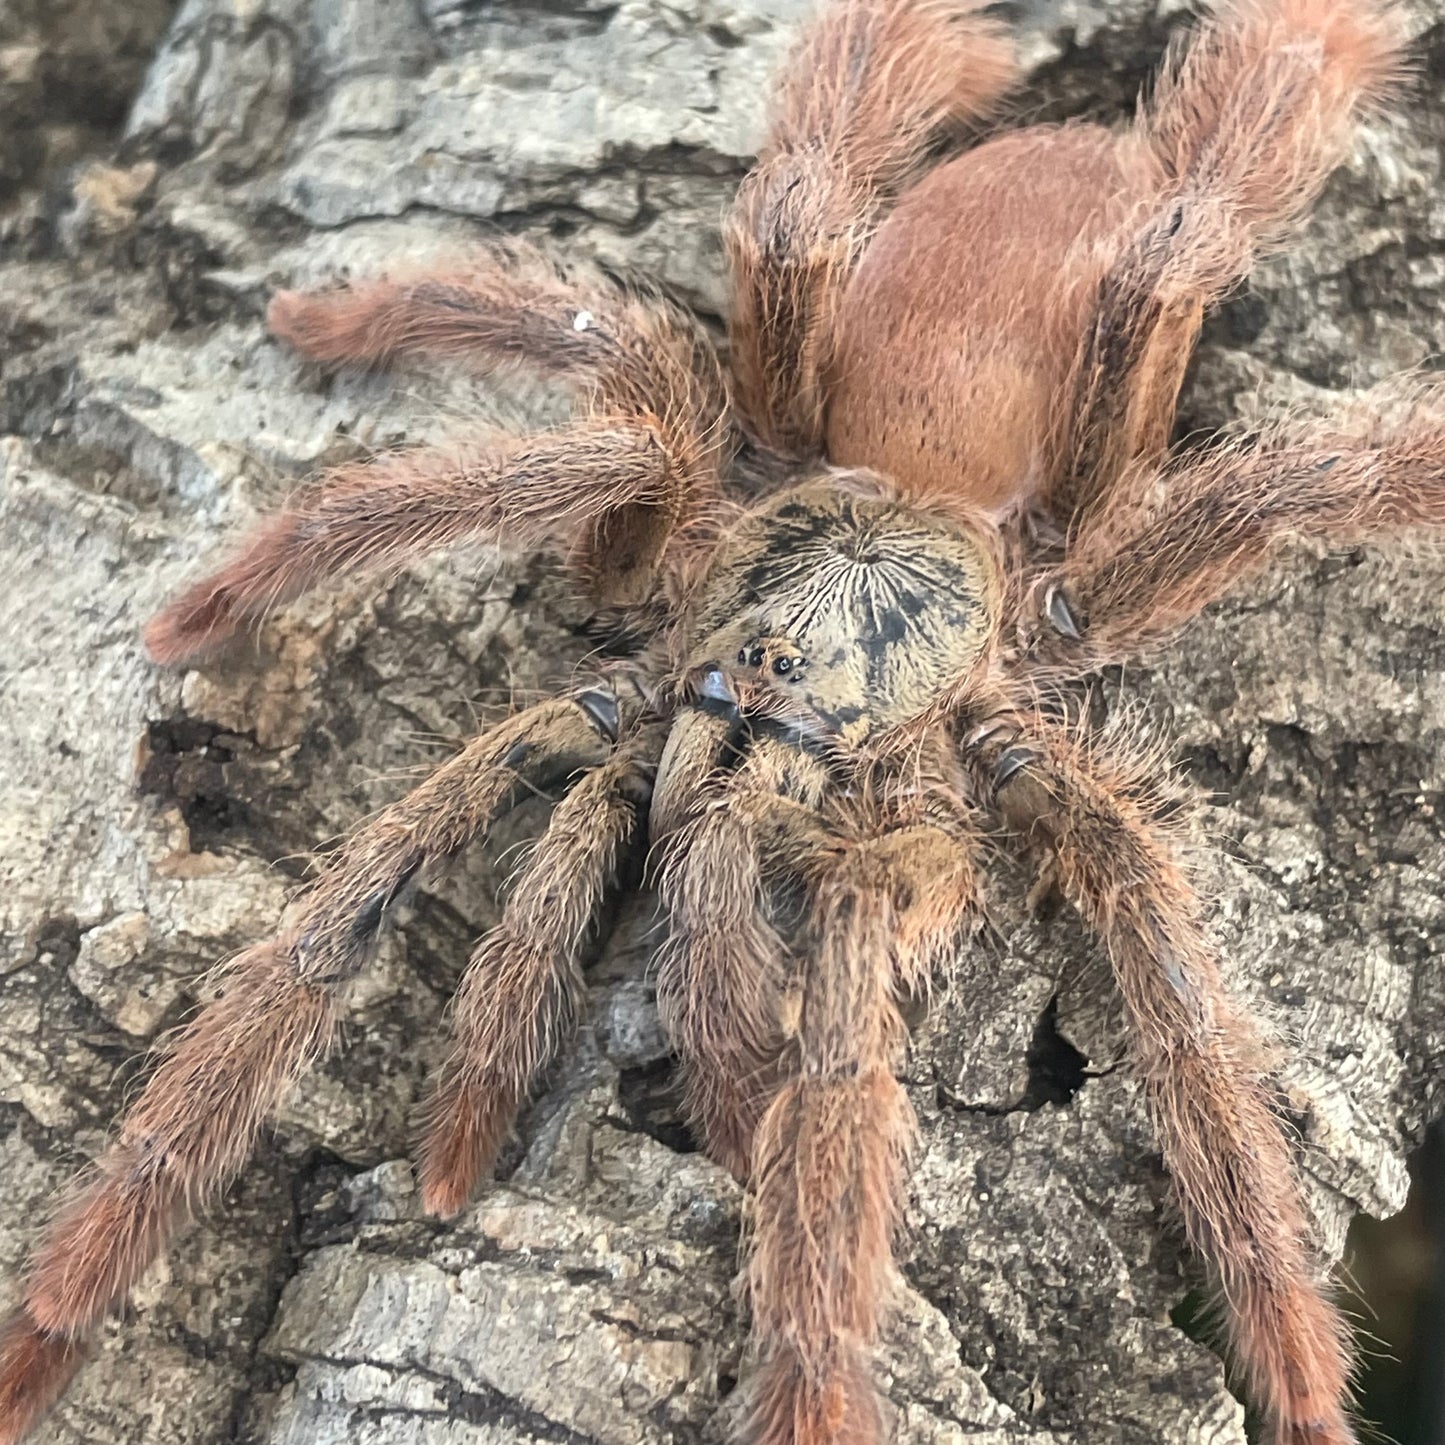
581 321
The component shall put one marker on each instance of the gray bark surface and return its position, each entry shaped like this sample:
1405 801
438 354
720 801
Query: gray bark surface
152 822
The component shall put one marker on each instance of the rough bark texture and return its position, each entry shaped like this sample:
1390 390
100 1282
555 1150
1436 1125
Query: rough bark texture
151 822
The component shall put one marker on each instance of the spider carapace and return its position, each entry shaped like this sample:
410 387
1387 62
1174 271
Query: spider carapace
927 493
847 608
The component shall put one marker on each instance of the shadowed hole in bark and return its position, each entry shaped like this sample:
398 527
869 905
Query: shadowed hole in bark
1394 1290
57 942
72 1017
1056 1067
185 762
652 1105
325 1212
1198 1317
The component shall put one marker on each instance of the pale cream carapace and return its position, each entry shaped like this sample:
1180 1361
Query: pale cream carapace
928 486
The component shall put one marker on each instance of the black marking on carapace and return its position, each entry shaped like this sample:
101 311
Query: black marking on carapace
793 511
892 625
888 606
804 531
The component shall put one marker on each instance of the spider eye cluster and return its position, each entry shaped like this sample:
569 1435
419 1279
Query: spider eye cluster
776 657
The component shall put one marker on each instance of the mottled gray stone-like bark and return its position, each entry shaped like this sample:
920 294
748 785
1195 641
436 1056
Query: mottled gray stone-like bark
152 821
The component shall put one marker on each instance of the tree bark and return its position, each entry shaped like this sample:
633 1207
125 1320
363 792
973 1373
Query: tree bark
152 822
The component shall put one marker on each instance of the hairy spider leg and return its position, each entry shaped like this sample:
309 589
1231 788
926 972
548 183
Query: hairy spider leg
725 972
36 1367
789 1051
632 353
518 1000
1201 1060
638 473
831 1151
495 310
196 1122
864 95
401 505
628 351
1133 575
1017 329
1250 114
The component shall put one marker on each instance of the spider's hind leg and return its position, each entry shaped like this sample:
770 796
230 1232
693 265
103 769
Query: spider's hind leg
503 309
619 488
195 1123
1250 115
1202 1062
861 100
631 352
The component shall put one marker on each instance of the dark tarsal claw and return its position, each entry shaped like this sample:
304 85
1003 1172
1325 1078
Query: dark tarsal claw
1011 762
1062 615
601 707
716 696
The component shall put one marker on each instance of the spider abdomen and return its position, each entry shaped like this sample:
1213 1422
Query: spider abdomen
961 326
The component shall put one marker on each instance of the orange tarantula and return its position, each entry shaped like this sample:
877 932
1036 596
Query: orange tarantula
929 485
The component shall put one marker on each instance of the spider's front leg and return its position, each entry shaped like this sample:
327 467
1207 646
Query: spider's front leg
794 942
195 1123
1202 1063
726 971
831 1151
